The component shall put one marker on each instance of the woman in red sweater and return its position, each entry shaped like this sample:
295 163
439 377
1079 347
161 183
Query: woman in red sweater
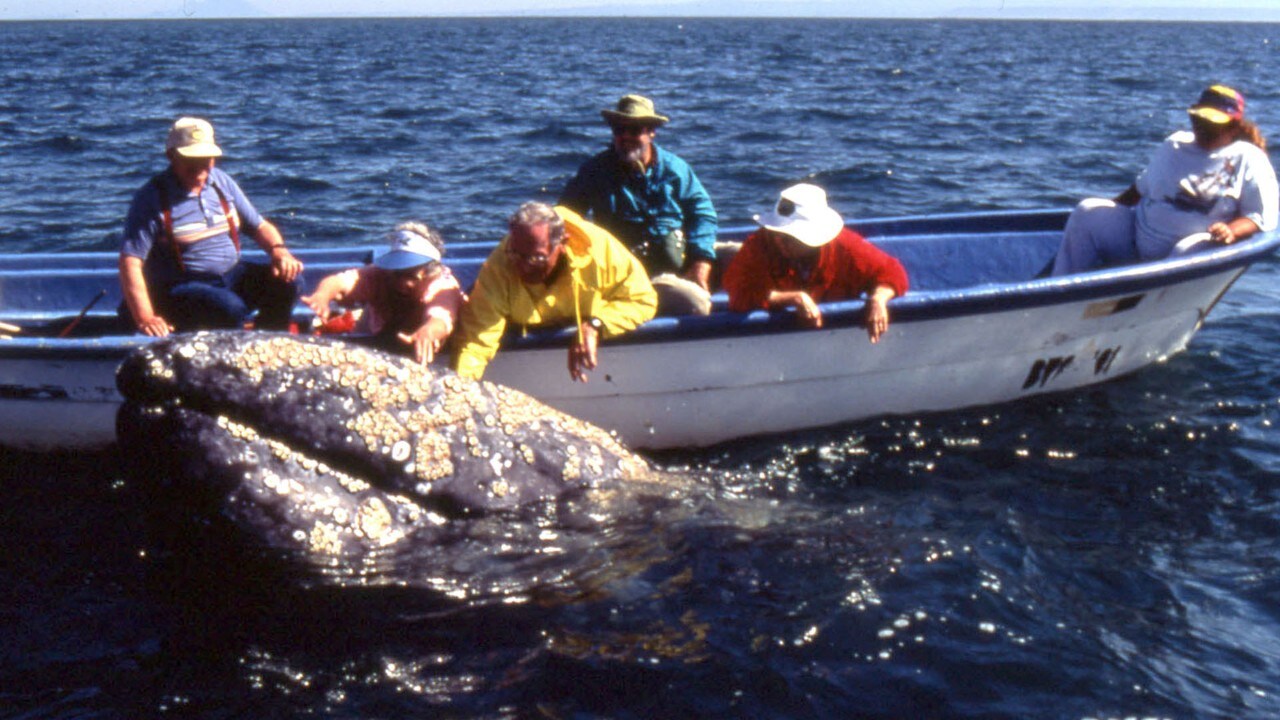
803 255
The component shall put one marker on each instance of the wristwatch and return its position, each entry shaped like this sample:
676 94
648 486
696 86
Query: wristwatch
596 324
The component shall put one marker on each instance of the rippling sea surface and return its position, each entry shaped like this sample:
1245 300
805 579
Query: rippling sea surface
1107 553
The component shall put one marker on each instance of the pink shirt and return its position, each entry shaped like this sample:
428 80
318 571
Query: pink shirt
372 291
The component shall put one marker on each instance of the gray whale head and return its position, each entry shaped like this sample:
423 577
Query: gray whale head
338 453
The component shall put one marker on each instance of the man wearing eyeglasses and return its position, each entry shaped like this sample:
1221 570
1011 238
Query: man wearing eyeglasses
553 269
651 200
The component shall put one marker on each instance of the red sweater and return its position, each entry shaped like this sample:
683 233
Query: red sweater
847 267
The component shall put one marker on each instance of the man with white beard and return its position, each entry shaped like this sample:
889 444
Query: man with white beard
652 201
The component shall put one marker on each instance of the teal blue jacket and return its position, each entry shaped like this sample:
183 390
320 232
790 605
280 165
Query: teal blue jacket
639 209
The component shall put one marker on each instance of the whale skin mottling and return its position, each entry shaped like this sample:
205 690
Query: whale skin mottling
335 452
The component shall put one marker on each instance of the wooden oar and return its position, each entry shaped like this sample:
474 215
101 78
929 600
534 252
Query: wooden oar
76 320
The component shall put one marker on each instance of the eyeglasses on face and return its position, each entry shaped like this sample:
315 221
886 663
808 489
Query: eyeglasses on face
528 259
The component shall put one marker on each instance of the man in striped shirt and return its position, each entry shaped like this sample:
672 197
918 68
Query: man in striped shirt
180 263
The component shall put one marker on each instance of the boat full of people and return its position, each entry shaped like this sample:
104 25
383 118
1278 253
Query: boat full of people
982 324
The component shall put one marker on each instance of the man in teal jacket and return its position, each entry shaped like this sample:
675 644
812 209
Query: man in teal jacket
647 197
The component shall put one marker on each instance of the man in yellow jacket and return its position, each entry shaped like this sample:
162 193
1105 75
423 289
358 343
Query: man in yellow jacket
553 269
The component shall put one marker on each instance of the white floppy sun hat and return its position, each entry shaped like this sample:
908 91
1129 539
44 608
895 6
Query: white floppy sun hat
802 213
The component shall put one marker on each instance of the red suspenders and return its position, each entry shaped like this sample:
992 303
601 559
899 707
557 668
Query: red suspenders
166 209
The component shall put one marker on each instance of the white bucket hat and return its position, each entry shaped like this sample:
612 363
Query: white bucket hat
803 214
193 138
408 250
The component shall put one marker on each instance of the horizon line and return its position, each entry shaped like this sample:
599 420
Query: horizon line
569 15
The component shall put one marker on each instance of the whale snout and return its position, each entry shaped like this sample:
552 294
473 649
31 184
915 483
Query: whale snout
333 450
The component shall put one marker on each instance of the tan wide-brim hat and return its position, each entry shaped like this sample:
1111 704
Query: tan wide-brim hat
634 110
193 138
802 213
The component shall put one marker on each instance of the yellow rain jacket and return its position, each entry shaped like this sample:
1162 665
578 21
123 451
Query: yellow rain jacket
603 280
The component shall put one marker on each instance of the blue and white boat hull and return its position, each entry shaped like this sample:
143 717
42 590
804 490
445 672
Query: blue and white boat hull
978 327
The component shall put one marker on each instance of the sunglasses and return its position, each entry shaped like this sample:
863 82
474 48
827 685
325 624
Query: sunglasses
625 130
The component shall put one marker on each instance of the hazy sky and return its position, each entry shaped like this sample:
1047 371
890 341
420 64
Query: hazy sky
1013 9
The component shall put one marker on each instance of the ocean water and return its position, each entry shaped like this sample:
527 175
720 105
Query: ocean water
1108 553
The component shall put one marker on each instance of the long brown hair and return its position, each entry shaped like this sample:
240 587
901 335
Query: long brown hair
1247 131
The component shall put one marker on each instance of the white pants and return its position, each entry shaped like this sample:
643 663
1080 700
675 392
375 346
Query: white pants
1099 233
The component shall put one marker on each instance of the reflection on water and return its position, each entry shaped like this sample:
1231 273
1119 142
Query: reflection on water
903 563
1108 553
1107 548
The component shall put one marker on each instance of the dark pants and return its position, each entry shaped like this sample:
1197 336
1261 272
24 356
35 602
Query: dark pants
204 301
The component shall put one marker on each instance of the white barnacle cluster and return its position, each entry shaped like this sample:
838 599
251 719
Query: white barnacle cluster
594 461
325 539
280 485
499 487
432 460
158 369
336 523
196 347
380 430
373 519
382 381
349 483
578 465
632 466
572 469
410 438
371 523
253 362
515 410
280 450
455 384
286 454
472 439
391 393
275 353
237 430
320 503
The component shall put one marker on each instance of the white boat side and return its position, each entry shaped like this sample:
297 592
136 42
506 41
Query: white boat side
680 382
701 391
